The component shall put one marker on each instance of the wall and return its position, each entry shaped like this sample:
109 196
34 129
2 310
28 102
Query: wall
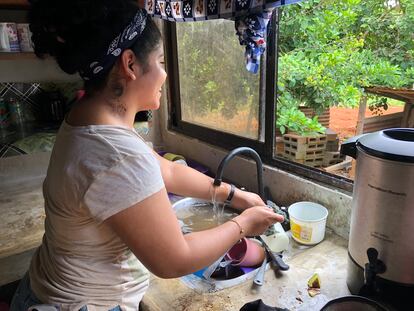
22 169
285 188
26 67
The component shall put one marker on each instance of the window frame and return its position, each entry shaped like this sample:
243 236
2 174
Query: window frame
267 113
175 122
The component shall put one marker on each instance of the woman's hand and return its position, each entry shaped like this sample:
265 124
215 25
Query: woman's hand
255 220
244 199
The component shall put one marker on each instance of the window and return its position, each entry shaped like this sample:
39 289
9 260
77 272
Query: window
216 90
331 53
215 99
212 95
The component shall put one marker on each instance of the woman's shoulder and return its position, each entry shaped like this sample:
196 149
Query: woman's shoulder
127 142
108 138
87 151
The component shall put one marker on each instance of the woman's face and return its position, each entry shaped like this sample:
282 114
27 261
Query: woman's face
150 82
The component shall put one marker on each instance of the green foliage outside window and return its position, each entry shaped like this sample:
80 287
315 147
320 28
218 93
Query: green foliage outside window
296 121
213 76
331 49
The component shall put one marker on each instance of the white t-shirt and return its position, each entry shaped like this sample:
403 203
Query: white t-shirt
94 172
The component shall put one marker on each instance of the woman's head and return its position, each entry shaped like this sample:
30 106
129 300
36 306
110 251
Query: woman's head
78 32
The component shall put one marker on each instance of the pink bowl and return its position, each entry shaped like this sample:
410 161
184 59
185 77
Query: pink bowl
246 253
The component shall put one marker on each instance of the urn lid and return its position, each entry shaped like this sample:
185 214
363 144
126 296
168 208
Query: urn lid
395 144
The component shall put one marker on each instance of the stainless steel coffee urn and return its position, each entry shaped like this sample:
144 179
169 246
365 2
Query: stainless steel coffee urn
381 241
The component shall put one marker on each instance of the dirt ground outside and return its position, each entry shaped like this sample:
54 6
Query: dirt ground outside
344 120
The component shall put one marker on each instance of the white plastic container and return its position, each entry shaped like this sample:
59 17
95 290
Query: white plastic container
307 222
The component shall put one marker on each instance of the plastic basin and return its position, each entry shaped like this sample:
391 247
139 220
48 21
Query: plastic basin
307 222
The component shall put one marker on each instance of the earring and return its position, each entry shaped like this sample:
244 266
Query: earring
133 77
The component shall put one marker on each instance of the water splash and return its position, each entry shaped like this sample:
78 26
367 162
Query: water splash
215 204
218 208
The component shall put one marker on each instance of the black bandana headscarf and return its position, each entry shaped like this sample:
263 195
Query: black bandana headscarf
123 41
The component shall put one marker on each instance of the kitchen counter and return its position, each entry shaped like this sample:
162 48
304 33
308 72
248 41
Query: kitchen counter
21 227
23 215
21 231
281 289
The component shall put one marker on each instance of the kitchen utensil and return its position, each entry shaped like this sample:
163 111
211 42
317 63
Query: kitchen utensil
277 259
259 278
275 256
381 248
225 263
275 244
307 222
352 303
210 269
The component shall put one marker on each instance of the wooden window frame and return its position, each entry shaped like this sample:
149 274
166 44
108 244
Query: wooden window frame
267 113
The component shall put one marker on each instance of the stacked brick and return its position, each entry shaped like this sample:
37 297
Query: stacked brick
332 140
332 155
308 150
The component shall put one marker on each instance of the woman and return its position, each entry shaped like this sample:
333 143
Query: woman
108 217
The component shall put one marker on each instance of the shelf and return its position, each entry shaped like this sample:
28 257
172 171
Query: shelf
17 56
26 67
14 4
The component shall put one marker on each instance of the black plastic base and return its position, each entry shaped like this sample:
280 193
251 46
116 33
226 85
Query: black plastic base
393 295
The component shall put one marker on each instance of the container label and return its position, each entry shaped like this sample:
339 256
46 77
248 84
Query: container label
302 233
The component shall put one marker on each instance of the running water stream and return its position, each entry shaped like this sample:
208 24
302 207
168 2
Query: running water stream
203 215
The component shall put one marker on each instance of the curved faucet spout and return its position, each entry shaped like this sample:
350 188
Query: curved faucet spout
246 151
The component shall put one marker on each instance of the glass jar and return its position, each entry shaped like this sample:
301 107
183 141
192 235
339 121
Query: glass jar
16 111
4 117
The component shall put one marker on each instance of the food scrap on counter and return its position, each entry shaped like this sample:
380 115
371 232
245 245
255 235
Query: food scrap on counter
314 285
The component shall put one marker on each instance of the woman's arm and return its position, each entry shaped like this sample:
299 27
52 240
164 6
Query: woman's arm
151 230
185 181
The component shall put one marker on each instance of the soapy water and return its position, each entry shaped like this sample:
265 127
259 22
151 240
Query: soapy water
203 216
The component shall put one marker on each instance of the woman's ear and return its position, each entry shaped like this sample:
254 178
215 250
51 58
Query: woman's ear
128 64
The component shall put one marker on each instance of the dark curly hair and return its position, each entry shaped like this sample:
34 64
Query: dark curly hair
75 31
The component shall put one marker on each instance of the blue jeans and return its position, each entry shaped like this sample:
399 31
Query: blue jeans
24 298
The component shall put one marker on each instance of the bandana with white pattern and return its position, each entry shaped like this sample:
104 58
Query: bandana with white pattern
123 41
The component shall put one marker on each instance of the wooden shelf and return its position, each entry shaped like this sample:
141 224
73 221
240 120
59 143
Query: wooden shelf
26 67
14 4
17 56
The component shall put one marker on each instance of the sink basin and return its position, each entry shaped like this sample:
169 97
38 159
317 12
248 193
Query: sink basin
196 215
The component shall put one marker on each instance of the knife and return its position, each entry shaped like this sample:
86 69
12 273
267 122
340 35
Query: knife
275 256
